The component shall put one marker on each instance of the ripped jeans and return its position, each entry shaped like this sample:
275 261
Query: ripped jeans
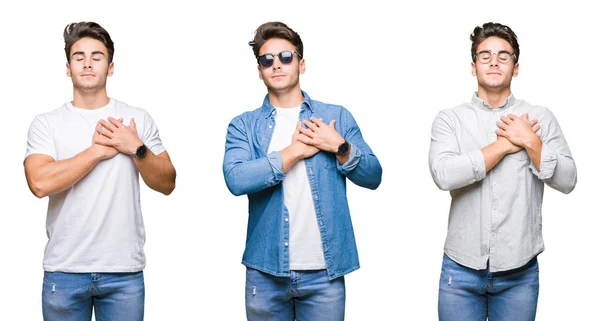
304 296
476 295
113 296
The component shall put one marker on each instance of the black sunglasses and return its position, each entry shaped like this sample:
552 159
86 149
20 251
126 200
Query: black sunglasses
286 57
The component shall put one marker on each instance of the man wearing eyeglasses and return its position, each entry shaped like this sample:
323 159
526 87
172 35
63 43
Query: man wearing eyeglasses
291 157
494 154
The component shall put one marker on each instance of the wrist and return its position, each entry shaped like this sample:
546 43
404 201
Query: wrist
534 143
335 147
96 153
504 145
134 147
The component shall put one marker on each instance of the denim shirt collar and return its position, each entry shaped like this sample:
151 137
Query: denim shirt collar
483 105
267 109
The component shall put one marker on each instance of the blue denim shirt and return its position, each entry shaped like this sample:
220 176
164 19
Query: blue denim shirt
249 169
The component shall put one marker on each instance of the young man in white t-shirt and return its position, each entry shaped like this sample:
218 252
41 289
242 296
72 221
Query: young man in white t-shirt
292 157
86 156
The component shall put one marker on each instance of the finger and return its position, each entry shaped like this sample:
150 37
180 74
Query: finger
304 139
102 140
121 119
107 125
318 121
500 133
535 128
307 132
533 122
502 125
511 116
332 123
115 122
132 124
525 116
505 119
103 131
310 125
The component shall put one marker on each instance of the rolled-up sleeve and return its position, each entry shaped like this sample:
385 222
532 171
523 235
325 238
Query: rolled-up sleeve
450 168
362 167
557 166
244 175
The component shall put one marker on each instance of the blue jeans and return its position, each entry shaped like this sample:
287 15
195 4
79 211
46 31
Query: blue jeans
304 296
113 296
479 295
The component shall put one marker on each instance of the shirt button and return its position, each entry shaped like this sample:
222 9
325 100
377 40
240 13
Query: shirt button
286 243
270 126
287 219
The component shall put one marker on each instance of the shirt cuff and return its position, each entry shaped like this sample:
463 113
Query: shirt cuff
352 161
276 162
478 164
548 162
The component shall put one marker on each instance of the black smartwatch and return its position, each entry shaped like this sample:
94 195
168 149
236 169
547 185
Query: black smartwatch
343 149
141 151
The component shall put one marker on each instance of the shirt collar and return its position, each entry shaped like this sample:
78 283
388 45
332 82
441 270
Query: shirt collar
268 109
482 104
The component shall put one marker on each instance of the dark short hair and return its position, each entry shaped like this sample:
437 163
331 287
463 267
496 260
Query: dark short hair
492 29
77 30
279 30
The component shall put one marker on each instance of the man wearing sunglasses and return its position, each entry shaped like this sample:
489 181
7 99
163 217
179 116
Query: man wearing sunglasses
291 157
87 156
494 154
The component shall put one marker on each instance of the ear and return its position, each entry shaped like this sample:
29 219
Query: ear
516 70
259 72
301 66
68 70
111 68
473 69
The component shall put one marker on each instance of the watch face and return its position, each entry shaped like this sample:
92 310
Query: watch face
141 151
343 149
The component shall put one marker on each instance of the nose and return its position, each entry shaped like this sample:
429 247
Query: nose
276 63
494 60
87 62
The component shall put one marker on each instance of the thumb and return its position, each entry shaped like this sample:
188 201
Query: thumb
332 123
132 124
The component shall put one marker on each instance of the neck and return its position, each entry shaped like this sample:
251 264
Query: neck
287 99
90 99
494 98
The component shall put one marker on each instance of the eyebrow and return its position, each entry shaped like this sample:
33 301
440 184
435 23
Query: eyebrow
97 52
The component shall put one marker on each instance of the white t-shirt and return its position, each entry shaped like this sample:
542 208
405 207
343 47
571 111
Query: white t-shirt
95 225
305 246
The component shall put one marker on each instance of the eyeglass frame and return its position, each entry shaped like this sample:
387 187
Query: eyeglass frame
277 54
511 54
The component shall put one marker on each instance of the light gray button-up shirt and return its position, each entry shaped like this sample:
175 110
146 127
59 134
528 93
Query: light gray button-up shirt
496 216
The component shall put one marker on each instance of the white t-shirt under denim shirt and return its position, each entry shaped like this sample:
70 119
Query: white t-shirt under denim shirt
95 225
496 216
306 249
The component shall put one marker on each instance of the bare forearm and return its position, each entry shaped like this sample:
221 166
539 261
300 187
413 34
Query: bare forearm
56 176
290 157
157 172
493 153
534 150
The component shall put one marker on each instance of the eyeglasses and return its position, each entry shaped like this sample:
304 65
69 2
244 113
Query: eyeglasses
286 57
485 56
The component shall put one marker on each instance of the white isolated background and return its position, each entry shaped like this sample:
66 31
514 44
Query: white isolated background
394 65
